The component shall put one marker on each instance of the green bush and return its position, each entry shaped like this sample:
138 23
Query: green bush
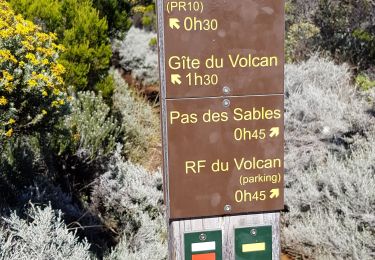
364 82
153 42
347 30
117 14
106 87
79 28
47 13
121 14
88 50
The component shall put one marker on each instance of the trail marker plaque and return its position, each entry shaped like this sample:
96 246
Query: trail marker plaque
253 243
203 245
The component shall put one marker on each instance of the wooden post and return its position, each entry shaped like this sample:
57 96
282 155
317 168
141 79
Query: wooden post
186 26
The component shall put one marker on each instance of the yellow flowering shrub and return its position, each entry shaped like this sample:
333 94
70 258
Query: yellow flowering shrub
32 92
144 14
79 27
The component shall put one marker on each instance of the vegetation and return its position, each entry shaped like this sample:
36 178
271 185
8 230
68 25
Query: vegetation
139 122
80 146
138 56
32 92
121 14
93 129
80 29
346 30
43 236
131 199
364 81
57 140
329 164
116 13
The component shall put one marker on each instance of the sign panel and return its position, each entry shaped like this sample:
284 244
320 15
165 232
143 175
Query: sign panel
236 43
222 84
225 160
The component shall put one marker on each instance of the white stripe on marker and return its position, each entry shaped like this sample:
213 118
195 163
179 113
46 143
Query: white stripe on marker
205 246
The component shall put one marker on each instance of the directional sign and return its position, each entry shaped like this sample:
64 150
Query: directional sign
174 23
222 106
175 79
225 156
216 43
274 132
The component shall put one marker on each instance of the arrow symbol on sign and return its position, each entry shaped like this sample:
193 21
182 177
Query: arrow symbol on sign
174 23
176 79
275 132
275 193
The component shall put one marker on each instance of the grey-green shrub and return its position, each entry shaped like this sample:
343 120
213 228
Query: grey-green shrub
43 235
130 200
330 163
371 100
43 192
139 121
137 56
332 207
150 241
322 111
93 128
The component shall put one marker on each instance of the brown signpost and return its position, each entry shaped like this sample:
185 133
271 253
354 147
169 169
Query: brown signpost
222 87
